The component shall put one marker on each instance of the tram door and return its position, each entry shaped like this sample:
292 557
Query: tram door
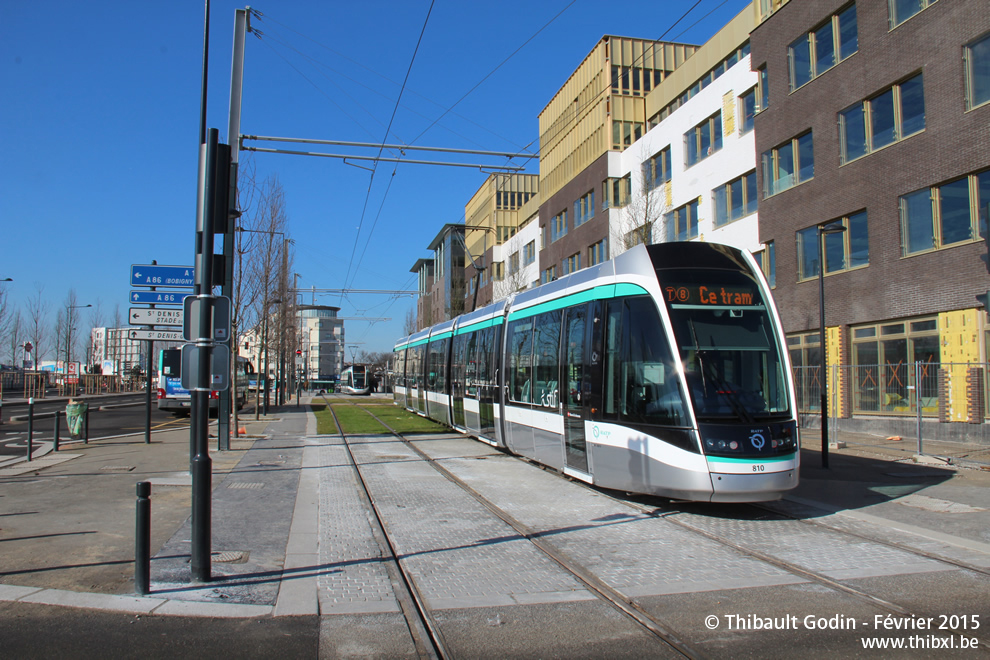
488 387
576 378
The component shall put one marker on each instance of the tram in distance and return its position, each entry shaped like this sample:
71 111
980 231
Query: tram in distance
354 380
662 371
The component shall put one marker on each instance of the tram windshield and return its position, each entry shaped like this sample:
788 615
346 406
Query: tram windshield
726 340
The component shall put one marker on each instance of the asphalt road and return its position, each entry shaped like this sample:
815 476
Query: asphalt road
108 417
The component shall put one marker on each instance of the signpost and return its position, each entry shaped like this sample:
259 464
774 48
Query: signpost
169 276
155 335
157 297
147 316
152 275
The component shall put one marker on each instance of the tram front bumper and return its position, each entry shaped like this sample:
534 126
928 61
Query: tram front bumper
762 487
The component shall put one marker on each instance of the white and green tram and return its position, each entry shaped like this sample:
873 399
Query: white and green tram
663 371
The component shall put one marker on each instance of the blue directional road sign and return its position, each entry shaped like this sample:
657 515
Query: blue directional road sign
157 297
148 275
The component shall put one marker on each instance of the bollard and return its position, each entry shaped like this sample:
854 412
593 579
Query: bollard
30 426
142 540
1 413
86 426
58 423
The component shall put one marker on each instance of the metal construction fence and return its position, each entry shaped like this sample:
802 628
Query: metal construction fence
934 408
40 384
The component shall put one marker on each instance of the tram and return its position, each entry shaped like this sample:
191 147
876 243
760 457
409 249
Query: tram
663 371
354 380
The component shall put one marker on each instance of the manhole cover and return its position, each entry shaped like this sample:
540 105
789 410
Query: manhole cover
230 557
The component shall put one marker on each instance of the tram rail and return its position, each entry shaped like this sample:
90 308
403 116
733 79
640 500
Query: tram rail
648 506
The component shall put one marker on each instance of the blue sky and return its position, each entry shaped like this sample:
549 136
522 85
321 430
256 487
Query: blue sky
99 127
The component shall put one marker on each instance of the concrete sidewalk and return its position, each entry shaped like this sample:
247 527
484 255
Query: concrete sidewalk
68 519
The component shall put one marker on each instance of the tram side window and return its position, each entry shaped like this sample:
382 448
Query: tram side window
398 359
546 359
613 388
414 372
642 383
436 373
520 360
485 340
461 370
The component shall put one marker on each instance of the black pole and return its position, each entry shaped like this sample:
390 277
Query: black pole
30 441
58 424
201 464
206 61
1 413
142 539
149 383
86 426
264 342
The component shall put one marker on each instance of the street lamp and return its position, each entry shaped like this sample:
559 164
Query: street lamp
834 228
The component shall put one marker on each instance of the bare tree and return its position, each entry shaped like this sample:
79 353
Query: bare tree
641 219
14 338
410 324
69 316
511 283
6 315
37 324
264 270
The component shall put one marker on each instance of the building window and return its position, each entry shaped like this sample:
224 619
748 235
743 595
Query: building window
901 10
529 253
624 133
598 252
763 90
616 192
584 209
656 169
888 117
787 165
558 226
642 234
735 199
819 50
682 223
747 110
572 263
548 275
977 60
513 263
703 140
498 270
883 358
946 215
843 250
767 259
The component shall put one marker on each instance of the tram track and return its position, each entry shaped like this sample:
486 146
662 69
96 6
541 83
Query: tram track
671 517
631 608
626 606
425 633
